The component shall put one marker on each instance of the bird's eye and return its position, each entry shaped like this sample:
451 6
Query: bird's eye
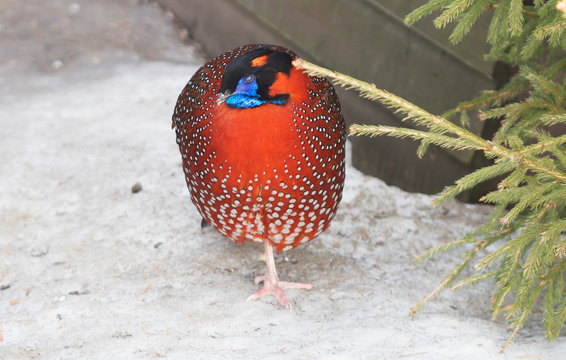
249 79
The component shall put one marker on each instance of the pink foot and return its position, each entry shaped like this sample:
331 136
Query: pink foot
276 289
271 283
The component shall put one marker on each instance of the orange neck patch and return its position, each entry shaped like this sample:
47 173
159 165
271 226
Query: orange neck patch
293 84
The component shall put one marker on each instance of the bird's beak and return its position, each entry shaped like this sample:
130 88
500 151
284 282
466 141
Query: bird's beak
223 97
226 95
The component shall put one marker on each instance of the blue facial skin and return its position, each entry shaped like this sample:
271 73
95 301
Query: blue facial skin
246 96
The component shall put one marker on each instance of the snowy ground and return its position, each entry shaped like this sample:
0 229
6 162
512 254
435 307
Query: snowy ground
91 270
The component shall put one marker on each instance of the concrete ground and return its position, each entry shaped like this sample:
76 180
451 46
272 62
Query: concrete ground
91 270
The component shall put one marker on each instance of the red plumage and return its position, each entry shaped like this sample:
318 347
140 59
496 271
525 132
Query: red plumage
268 164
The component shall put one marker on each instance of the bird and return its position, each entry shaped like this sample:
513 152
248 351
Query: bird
263 152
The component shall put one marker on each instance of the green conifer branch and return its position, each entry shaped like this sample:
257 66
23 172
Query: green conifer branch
468 20
502 291
516 160
473 179
412 112
542 146
515 19
452 12
523 243
553 119
514 179
401 133
422 117
498 22
543 84
552 31
525 309
490 97
516 86
451 277
424 10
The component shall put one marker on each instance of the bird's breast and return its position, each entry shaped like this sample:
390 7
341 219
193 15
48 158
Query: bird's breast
254 141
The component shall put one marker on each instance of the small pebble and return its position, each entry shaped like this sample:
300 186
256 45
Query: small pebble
77 292
56 64
39 252
136 188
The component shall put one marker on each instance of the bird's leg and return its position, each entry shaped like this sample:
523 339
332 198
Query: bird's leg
271 283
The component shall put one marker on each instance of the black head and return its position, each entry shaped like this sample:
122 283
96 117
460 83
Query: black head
263 64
